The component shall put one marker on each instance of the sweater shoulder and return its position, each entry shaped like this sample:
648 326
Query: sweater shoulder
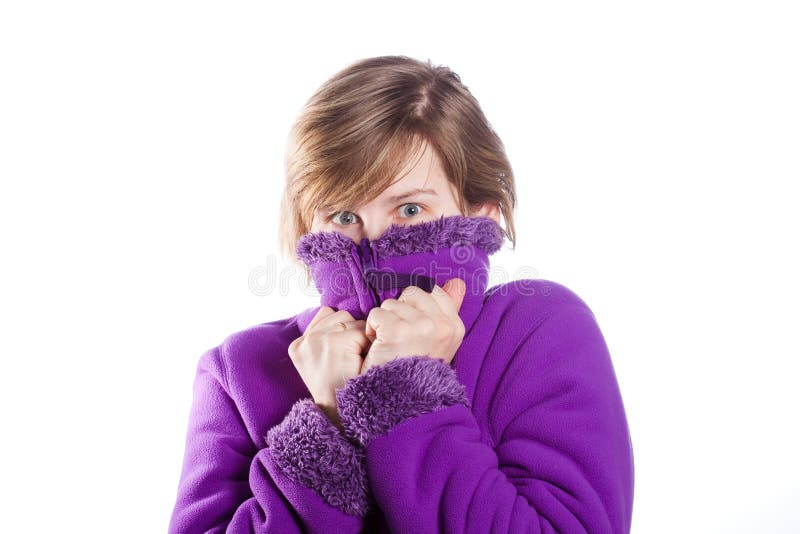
512 310
255 370
533 297
255 349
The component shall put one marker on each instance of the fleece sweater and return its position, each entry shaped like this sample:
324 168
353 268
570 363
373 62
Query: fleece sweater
525 431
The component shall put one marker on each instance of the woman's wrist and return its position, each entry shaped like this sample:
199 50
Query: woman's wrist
332 412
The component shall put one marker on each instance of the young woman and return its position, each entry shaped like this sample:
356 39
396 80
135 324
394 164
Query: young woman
414 398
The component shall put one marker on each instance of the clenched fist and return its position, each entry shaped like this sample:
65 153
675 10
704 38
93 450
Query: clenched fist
417 323
328 354
335 347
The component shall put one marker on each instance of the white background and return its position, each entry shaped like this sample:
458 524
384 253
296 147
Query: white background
655 147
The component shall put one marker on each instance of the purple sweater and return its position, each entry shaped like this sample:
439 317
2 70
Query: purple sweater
524 432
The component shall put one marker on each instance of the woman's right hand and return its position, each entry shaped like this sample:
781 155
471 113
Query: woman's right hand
327 355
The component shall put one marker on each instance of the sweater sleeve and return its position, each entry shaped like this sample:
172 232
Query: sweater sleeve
560 458
308 477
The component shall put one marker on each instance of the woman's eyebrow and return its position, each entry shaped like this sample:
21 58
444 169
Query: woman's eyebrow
412 192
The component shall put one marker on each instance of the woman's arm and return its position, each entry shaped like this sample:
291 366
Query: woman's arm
308 478
560 459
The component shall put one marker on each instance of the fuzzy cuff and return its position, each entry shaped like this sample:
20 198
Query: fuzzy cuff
373 403
312 451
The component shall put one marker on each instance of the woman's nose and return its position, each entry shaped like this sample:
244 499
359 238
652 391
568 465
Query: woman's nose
373 230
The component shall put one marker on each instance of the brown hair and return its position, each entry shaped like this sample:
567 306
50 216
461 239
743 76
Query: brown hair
349 141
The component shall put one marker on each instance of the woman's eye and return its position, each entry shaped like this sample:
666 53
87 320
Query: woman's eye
415 209
347 217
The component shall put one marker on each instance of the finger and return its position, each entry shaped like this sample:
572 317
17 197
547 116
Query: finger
353 335
329 322
450 296
354 325
404 310
377 320
322 312
422 301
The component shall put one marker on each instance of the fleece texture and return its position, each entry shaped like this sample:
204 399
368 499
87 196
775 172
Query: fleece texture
401 240
524 431
311 450
386 395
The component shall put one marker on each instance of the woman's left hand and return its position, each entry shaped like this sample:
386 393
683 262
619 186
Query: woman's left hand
416 323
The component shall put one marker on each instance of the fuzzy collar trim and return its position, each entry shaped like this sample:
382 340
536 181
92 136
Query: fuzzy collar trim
399 240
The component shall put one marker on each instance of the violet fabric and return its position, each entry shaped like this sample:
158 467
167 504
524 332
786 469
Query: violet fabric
524 432
306 438
387 395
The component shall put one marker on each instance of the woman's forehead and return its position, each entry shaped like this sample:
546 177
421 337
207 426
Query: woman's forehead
399 192
420 176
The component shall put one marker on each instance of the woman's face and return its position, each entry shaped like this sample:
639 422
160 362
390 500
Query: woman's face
423 194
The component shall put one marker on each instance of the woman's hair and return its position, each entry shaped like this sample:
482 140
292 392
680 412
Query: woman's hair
351 138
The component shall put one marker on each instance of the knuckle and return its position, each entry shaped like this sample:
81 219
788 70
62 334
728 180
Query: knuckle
460 329
294 347
410 290
344 315
323 311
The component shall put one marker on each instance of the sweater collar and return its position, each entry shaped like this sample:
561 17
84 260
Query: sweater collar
358 276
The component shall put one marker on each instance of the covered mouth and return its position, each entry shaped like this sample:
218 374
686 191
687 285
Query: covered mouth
398 240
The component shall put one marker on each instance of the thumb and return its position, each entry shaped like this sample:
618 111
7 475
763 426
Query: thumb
455 288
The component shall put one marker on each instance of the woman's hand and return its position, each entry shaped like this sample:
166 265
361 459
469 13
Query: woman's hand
416 323
327 355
